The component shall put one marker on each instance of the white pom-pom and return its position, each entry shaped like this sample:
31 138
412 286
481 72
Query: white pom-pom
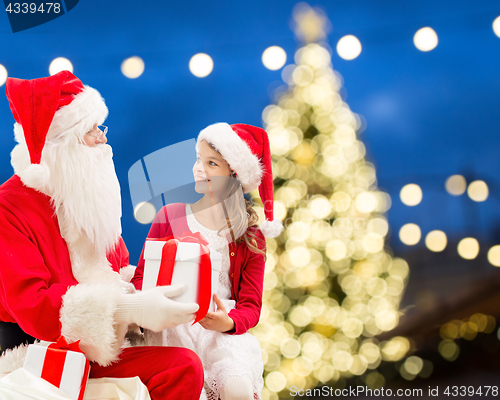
271 229
35 176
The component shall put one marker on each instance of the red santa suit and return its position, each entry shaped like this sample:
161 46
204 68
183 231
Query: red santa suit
56 276
35 270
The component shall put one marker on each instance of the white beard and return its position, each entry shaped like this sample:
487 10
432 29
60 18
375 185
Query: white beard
86 197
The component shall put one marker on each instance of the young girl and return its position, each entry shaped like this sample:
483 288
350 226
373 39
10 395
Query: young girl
231 160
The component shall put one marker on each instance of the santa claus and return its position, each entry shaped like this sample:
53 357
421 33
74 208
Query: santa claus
62 259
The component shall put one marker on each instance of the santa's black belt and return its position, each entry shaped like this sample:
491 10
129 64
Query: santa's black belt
11 335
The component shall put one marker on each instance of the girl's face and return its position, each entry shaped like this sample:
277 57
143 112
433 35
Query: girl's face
210 170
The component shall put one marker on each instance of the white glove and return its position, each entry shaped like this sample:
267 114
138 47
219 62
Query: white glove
152 309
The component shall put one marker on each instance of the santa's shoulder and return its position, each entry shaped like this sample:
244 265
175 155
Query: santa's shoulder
15 188
22 202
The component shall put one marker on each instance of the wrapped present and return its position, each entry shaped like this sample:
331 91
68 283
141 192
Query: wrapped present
62 364
186 260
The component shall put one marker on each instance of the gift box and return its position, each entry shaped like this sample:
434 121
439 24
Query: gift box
185 260
63 365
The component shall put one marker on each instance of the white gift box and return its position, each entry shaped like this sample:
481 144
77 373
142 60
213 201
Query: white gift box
186 269
74 374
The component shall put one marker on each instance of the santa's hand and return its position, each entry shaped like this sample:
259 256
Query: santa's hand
152 309
218 321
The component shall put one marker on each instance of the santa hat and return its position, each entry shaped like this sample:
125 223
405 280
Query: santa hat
50 109
246 149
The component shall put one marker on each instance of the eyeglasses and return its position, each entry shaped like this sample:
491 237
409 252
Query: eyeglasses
103 130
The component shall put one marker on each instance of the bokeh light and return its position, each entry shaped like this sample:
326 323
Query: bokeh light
413 365
144 212
449 350
450 330
276 381
494 255
60 64
411 194
274 58
468 248
395 349
349 47
379 226
456 185
3 75
201 65
132 67
410 234
436 241
365 202
478 191
425 39
496 26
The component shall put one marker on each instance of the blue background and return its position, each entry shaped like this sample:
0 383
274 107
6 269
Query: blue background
428 115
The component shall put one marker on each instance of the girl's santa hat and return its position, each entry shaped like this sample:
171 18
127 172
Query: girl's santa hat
246 149
51 108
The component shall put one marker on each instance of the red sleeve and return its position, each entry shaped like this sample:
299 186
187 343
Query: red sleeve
124 255
249 298
158 229
119 256
27 291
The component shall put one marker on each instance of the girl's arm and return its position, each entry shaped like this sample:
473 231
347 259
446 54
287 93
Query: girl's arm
247 312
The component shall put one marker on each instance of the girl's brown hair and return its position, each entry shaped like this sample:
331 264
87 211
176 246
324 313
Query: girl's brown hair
240 216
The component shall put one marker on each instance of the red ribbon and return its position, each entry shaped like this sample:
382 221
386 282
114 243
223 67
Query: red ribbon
55 358
167 264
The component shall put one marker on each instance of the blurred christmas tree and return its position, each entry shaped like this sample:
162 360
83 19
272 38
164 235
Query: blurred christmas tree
331 285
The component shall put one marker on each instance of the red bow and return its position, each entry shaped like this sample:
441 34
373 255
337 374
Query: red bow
205 268
55 358
62 344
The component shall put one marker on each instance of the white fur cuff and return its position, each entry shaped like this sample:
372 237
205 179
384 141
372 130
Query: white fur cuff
127 273
88 315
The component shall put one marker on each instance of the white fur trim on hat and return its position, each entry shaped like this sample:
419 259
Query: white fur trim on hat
87 315
236 152
271 229
86 109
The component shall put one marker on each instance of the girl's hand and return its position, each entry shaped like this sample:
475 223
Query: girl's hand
217 321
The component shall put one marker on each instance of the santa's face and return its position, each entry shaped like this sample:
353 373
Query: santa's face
95 136
86 193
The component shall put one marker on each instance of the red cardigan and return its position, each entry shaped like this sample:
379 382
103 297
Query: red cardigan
246 271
